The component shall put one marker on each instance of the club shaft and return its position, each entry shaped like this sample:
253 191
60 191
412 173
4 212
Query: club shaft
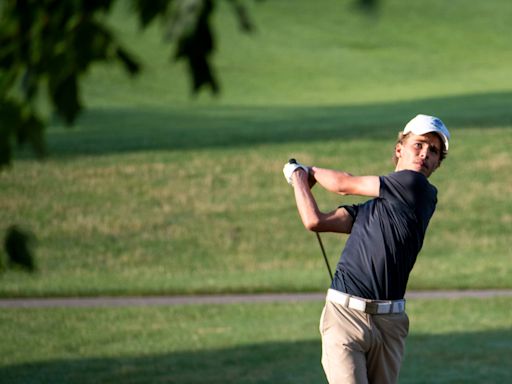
325 256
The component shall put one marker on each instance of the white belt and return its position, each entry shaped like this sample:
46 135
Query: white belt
372 307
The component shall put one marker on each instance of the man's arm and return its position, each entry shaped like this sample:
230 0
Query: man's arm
338 220
344 183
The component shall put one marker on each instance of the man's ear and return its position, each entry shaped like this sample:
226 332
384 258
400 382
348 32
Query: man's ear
398 150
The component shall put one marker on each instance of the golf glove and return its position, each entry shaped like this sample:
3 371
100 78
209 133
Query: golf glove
289 168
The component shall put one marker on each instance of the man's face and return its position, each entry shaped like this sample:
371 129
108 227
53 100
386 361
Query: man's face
420 153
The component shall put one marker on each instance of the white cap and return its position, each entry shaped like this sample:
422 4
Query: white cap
422 124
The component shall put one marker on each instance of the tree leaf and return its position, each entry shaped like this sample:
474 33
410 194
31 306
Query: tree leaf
64 94
130 64
148 10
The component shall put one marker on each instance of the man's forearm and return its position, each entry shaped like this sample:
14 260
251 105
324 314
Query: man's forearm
306 204
313 219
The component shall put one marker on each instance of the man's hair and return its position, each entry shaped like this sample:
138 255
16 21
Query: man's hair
402 138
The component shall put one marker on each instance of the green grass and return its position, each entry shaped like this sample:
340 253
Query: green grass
324 53
450 341
155 193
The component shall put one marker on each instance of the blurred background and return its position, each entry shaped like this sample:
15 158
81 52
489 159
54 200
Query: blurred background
142 146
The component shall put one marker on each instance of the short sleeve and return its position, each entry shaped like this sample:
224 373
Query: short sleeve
407 187
351 209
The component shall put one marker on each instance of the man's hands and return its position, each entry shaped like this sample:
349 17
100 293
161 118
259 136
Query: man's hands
292 165
313 219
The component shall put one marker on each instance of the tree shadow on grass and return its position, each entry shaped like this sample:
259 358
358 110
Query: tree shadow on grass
106 131
480 357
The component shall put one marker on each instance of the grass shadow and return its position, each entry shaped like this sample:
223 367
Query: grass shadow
107 131
478 357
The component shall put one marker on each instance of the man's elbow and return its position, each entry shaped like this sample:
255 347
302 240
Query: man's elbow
312 224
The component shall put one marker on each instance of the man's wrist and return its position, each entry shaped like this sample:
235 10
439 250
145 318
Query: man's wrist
311 176
300 174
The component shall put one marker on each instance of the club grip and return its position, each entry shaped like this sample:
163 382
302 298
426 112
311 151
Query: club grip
292 161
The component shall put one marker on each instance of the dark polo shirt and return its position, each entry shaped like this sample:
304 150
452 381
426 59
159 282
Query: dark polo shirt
387 235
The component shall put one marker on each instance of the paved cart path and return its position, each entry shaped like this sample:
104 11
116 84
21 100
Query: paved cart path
135 301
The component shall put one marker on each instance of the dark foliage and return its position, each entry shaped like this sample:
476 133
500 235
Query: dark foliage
18 246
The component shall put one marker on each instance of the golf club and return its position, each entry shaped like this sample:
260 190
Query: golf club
293 161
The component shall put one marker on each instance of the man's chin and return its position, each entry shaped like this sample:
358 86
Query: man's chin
421 169
425 171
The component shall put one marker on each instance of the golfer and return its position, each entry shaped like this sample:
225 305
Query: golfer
363 323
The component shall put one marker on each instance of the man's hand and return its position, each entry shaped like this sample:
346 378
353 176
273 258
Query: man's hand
290 167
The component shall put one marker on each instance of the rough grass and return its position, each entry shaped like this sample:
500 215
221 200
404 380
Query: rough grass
219 220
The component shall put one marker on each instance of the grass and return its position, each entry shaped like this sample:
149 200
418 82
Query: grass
317 54
250 343
154 193
222 219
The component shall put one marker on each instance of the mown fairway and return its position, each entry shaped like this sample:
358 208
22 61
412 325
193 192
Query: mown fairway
153 192
451 341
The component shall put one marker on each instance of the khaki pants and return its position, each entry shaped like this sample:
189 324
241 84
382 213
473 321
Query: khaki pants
360 348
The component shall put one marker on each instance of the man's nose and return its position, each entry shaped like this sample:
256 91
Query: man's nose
424 152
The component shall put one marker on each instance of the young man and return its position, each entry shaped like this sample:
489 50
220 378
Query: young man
364 324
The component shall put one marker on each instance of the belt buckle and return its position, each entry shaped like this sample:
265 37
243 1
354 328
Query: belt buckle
371 308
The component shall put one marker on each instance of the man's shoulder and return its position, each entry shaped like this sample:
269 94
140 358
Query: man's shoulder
408 183
409 178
